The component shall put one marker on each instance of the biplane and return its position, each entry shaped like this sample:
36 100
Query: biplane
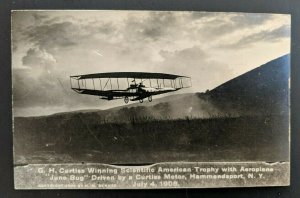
133 86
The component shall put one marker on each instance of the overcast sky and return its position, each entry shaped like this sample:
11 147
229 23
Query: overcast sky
49 46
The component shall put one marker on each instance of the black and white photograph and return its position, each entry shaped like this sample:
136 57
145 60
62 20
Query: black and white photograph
124 99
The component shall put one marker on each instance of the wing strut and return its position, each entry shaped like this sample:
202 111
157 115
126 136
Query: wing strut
93 83
100 84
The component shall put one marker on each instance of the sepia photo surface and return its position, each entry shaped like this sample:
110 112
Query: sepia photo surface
107 99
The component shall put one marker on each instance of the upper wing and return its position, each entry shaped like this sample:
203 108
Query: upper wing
139 75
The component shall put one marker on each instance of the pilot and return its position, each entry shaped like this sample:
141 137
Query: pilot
133 84
141 85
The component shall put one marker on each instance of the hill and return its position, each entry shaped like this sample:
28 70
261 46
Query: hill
263 90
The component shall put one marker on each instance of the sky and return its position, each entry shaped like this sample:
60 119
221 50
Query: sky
210 47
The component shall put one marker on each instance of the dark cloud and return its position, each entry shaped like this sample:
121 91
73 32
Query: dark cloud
221 24
249 20
52 20
54 35
262 36
158 24
153 27
105 28
96 27
38 17
200 15
50 33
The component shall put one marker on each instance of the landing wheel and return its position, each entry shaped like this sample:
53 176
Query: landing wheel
141 100
150 98
126 99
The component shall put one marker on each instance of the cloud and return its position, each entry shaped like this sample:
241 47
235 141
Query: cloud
250 19
38 17
45 91
36 82
49 46
158 24
204 15
152 27
189 54
263 36
36 57
222 24
54 35
196 63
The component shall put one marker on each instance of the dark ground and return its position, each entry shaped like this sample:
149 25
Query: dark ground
150 140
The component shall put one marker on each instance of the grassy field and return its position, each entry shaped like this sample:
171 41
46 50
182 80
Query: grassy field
84 138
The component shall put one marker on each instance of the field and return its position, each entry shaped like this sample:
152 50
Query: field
84 137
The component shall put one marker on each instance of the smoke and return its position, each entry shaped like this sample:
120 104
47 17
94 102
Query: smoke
181 106
193 106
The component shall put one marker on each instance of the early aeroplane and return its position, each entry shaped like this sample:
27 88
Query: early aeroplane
128 85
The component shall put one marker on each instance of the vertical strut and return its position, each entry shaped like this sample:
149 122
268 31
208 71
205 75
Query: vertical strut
110 83
118 83
100 84
93 83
